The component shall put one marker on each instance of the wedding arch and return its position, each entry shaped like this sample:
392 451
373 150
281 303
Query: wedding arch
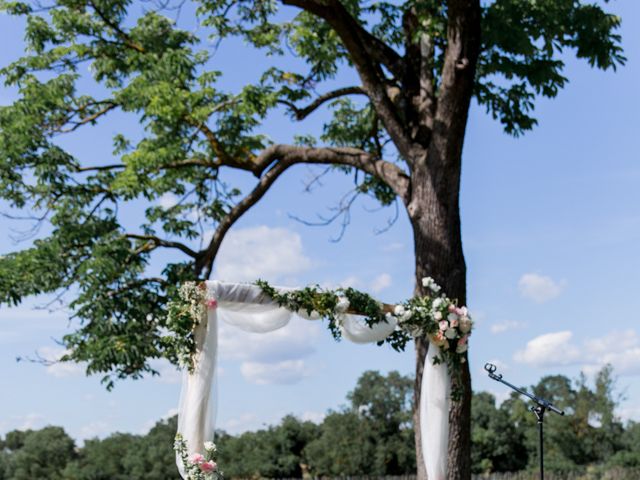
353 315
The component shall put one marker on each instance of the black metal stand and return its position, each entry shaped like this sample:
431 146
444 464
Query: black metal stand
541 406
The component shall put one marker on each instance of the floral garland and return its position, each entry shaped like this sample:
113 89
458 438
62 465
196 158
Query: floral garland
198 466
183 315
435 316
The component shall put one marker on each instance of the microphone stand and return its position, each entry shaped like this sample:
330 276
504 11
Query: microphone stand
541 406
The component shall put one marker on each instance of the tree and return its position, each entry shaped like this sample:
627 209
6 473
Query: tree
589 434
344 448
419 65
40 454
276 452
384 403
496 444
104 459
123 456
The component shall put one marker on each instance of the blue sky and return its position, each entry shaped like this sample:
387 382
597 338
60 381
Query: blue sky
551 224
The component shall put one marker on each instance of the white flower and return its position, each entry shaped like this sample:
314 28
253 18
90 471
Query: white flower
343 305
427 281
314 315
461 348
398 311
452 316
431 284
210 446
437 303
465 324
450 333
437 315
406 316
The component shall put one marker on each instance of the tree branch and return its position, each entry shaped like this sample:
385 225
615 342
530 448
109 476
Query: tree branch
388 172
205 261
368 55
91 118
302 113
281 157
193 162
159 242
116 28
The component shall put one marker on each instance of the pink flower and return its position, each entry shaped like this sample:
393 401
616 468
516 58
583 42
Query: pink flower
196 459
440 340
453 323
443 325
463 340
212 303
209 466
452 308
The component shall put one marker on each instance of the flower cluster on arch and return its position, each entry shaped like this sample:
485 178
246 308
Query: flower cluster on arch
198 466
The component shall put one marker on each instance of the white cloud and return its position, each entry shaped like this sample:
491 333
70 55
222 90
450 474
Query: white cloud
169 373
261 252
381 282
286 372
168 200
274 357
95 429
505 326
315 417
629 412
619 349
551 349
57 368
243 423
350 281
539 288
294 341
30 421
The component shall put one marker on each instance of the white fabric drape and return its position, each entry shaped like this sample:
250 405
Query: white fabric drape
248 308
435 396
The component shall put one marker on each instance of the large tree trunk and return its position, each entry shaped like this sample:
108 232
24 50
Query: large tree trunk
435 218
434 210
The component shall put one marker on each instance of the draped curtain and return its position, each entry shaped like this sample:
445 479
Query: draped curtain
246 307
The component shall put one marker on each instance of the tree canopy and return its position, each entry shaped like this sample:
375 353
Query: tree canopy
369 436
86 60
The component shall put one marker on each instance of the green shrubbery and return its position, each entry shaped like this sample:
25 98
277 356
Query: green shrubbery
372 435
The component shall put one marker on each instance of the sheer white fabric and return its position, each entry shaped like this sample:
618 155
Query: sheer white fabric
435 399
197 407
248 308
354 329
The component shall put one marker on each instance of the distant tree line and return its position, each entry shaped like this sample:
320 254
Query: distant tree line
370 436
